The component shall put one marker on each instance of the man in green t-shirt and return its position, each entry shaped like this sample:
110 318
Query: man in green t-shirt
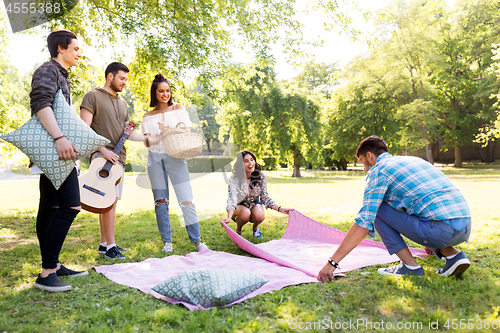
106 113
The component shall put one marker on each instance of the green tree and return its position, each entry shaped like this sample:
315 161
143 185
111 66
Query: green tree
207 114
489 92
318 81
186 38
464 57
14 99
265 118
357 110
180 37
317 78
432 64
409 31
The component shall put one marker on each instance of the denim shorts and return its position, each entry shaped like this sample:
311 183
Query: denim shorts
255 202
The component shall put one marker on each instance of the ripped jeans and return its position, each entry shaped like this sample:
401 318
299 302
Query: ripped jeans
160 167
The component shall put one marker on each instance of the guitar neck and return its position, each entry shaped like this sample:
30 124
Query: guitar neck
120 144
130 127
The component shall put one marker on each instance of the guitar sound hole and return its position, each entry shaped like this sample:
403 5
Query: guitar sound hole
104 173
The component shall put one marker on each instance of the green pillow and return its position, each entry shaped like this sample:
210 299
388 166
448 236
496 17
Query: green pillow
210 287
34 140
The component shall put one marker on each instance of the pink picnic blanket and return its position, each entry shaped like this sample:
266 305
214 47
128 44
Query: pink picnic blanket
148 273
294 259
307 245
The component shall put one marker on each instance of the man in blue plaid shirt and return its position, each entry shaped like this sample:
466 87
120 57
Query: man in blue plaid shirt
408 196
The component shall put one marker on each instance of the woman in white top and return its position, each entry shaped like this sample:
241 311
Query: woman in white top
167 114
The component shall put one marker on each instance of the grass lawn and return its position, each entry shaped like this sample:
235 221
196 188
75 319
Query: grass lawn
362 298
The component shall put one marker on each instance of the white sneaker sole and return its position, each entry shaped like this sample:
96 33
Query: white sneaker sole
117 257
53 289
82 273
457 269
382 271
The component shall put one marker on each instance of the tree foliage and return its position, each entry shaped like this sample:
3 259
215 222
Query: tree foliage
184 37
464 55
317 78
265 118
431 63
359 109
207 113
14 90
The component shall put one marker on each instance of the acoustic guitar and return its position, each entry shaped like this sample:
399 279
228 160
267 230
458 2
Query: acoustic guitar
97 186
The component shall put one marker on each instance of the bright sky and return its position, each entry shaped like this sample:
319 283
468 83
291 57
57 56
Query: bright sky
337 47
27 51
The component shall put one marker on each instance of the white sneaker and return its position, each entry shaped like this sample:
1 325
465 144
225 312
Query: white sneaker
198 248
168 247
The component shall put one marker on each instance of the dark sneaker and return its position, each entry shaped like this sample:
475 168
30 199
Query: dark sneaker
455 266
51 283
401 270
114 253
63 271
102 249
257 233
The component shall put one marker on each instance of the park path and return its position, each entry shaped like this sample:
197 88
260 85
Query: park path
7 174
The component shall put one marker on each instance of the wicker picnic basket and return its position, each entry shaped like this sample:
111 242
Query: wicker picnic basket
181 144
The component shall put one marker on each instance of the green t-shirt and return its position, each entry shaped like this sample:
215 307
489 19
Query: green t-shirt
110 114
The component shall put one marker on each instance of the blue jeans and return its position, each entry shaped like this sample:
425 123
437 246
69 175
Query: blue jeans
391 224
160 167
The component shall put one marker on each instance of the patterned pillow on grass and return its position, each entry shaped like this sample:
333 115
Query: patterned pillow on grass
34 140
210 287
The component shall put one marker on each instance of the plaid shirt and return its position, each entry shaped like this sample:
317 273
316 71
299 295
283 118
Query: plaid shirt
412 185
46 81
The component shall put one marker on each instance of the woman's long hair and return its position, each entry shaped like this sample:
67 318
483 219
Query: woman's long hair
159 78
240 173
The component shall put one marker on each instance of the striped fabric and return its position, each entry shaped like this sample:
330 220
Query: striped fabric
413 185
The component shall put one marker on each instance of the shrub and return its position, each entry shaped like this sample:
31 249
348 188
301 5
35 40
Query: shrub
204 164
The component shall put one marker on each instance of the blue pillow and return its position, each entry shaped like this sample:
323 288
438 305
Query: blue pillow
34 140
210 287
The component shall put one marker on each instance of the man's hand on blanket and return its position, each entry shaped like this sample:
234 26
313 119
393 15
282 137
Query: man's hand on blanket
326 273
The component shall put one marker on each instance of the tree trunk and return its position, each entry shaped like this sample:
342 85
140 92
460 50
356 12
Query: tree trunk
492 144
458 157
435 151
490 151
296 165
211 157
483 157
208 146
428 149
